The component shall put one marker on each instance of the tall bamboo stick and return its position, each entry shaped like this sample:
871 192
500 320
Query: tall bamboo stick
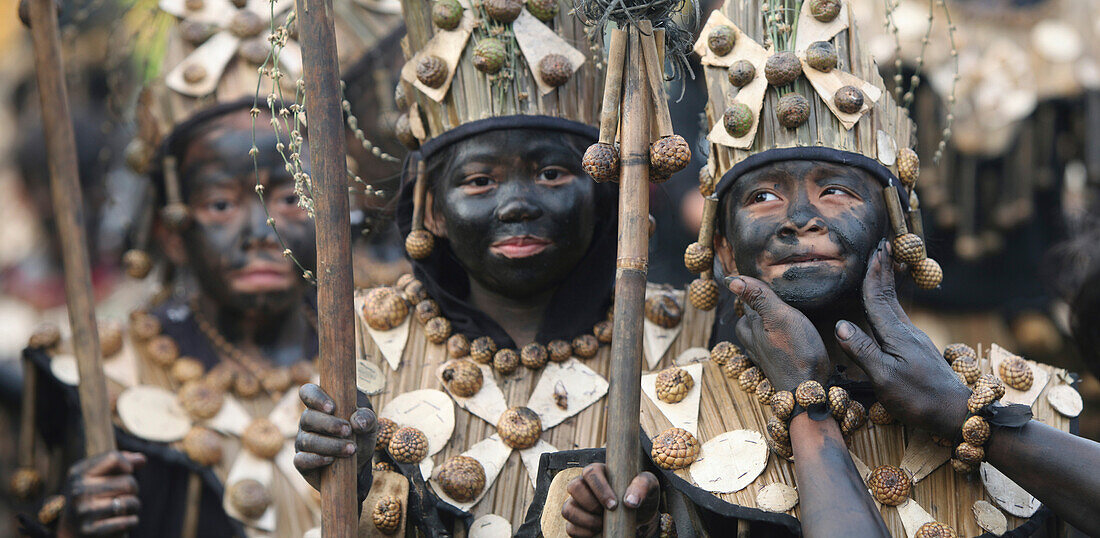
623 446
336 331
68 209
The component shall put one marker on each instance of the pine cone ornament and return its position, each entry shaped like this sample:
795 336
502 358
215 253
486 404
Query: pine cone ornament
463 377
554 69
662 310
462 478
275 381
458 346
674 448
25 483
222 377
981 397
706 181
506 361
673 384
669 154
384 309
741 73
262 438
249 497
955 351
51 510
926 274
419 243
408 445
200 400
401 100
301 372
839 400
784 451
604 331
380 466
402 129
586 346
246 386
601 162
387 514
534 355
935 529
1016 373
962 467
519 428
908 166
821 55
723 352
698 258
559 350
736 366
991 382
975 430
764 392
404 280
489 55
969 453
738 119
967 368
908 248
143 326
110 338
162 350
703 293
783 404
889 485
437 330
793 110
782 68
543 10
668 527
825 10
879 415
386 429
749 379
854 418
426 310
810 393
778 431
203 446
446 14
186 370
848 99
414 292
431 71
503 11
721 40
48 335
482 349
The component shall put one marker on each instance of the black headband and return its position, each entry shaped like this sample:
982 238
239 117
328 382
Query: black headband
500 123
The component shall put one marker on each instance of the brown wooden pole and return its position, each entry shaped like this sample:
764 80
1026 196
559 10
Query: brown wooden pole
623 428
336 332
68 208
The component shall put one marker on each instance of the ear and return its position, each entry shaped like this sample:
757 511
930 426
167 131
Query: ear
724 252
434 223
171 243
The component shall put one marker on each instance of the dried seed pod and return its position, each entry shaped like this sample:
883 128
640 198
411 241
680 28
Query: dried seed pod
854 418
458 346
810 393
408 445
534 355
848 99
962 467
246 386
559 350
482 349
821 55
506 361
48 335
668 155
764 392
604 331
954 351
975 430
601 162
967 367
162 350
698 258
703 293
750 378
993 383
404 280
437 330
221 377
674 448
386 515
793 110
262 438
908 166
138 264
142 326
825 10
721 40
723 352
25 483
490 55
741 73
981 397
51 510
462 478
401 100
778 431
926 273
782 68
203 446
586 346
561 396
463 377
889 485
384 309
879 415
554 69
414 292
543 10
519 428
969 453
908 248
386 429
940 441
380 466
419 243
839 400
276 380
673 384
1016 373
736 366
784 451
503 11
783 404
186 369
446 14
249 497
935 529
431 71
426 310
738 119
302 372
706 181
402 129
663 310
110 338
668 527
200 400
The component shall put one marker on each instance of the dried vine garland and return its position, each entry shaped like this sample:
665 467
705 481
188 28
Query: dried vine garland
678 38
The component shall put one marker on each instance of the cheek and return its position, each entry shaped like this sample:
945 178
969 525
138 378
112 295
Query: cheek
211 245
751 235
465 215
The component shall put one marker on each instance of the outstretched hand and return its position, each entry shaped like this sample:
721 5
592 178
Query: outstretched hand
779 338
101 495
323 437
910 376
590 495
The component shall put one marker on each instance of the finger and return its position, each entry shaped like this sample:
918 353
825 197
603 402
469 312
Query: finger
113 462
640 489
96 486
325 424
308 461
582 519
108 527
880 296
322 445
575 531
105 507
582 495
316 399
755 294
595 475
863 349
365 425
135 459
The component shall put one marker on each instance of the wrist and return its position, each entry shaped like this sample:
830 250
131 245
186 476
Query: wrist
952 412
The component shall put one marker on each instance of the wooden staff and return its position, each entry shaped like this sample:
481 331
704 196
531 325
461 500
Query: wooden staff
624 395
68 209
336 332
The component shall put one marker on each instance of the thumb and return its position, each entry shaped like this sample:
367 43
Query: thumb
862 349
754 293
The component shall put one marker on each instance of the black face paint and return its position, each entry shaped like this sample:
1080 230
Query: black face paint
232 250
806 228
517 209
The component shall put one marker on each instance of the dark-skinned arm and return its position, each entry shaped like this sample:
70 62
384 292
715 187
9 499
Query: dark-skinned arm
785 345
917 387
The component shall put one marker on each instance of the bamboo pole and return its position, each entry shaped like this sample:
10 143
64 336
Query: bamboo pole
613 86
68 208
623 444
336 332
